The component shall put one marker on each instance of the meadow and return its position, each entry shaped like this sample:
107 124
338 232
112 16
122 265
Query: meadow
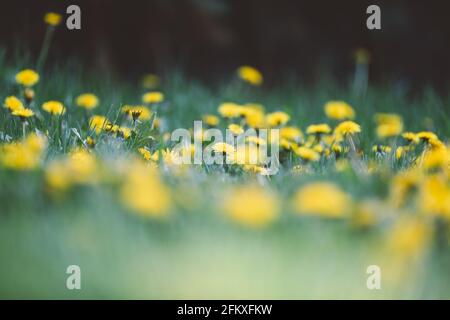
88 178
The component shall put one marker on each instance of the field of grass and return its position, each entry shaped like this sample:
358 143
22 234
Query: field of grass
141 227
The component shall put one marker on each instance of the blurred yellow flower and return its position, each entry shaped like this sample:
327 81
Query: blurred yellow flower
124 132
137 112
250 75
224 148
12 103
307 154
381 149
256 140
78 168
254 118
150 81
427 136
25 155
435 158
251 206
434 196
388 125
28 94
87 100
230 110
409 237
322 199
291 133
411 137
54 107
52 18
339 110
153 97
277 118
402 186
235 129
322 128
210 120
145 193
366 213
27 77
145 153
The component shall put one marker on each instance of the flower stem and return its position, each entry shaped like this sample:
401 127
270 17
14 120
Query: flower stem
45 46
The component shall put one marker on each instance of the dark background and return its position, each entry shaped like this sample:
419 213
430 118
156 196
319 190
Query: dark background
210 37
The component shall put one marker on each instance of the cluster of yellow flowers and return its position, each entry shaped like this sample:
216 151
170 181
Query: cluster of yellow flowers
418 193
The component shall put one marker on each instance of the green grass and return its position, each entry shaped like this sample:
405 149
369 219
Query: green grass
199 253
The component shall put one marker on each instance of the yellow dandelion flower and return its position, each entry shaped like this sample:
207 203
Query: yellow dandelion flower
124 132
27 77
435 158
277 118
84 166
256 140
145 153
23 113
87 100
36 142
54 107
291 134
52 18
337 148
319 148
409 237
224 148
137 112
79 168
427 136
12 103
145 193
28 94
230 110
411 137
381 149
250 75
434 196
287 144
322 128
339 110
401 151
211 120
235 129
366 213
254 118
153 97
90 142
347 128
307 154
388 125
322 199
98 123
402 186
24 155
251 206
